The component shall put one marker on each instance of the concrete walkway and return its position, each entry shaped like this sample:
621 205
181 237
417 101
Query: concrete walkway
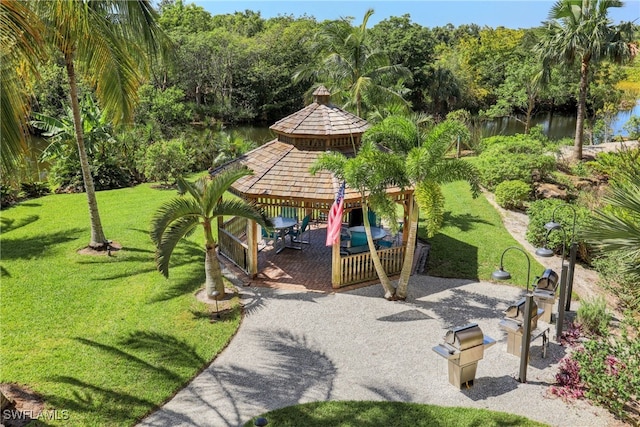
295 347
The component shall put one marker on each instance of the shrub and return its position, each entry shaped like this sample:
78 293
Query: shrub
517 157
610 370
594 317
541 212
166 160
8 196
32 190
613 164
633 127
512 194
615 278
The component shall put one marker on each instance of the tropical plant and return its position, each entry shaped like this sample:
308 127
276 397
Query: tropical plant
106 42
370 172
616 226
20 49
166 161
426 167
180 217
353 69
581 30
106 168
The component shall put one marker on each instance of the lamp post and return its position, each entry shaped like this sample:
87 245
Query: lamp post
573 249
546 252
501 274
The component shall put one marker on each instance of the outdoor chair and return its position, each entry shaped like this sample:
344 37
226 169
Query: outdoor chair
358 243
268 236
299 230
373 219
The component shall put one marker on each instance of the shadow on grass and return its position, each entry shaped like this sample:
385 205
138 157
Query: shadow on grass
10 224
190 253
452 258
463 222
36 246
169 348
115 406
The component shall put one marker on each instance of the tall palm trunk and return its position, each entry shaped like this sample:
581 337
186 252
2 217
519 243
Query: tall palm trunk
98 239
582 102
212 271
389 291
407 265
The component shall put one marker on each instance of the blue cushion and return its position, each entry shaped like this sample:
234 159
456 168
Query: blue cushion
358 238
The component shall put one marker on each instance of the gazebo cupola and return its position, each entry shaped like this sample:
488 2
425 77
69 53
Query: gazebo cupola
321 126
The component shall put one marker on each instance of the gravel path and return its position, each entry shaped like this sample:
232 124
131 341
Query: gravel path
295 347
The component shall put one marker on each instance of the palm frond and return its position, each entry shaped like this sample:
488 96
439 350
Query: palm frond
178 229
172 211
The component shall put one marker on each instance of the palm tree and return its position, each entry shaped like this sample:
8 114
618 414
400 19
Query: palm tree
20 48
180 216
616 227
109 43
581 30
427 167
370 172
359 73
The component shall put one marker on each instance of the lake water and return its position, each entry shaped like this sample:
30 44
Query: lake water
555 126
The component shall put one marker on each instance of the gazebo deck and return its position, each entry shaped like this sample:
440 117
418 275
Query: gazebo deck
308 269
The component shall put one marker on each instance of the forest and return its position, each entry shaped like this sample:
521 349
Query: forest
235 69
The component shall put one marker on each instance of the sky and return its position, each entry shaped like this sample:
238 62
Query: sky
428 13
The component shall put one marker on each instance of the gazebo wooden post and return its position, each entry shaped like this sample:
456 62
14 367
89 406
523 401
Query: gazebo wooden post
336 265
252 248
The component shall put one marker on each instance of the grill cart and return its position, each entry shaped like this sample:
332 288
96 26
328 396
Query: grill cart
463 347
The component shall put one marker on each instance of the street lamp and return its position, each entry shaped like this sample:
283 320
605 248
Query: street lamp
573 250
501 274
546 252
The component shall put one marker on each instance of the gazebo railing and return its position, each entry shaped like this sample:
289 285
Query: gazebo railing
359 268
232 242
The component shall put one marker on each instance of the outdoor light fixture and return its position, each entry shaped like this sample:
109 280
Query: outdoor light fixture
546 252
573 250
214 295
501 274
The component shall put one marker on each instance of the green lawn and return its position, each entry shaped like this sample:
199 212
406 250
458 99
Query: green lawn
105 338
472 240
397 414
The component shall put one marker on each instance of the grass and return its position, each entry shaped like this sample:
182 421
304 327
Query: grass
397 414
472 240
105 338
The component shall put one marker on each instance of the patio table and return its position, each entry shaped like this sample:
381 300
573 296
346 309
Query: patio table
281 225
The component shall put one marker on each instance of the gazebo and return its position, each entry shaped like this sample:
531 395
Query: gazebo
281 180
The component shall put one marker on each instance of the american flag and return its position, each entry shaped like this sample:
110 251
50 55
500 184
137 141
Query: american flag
334 222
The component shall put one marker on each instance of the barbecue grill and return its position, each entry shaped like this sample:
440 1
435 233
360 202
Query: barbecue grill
544 293
513 324
463 347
